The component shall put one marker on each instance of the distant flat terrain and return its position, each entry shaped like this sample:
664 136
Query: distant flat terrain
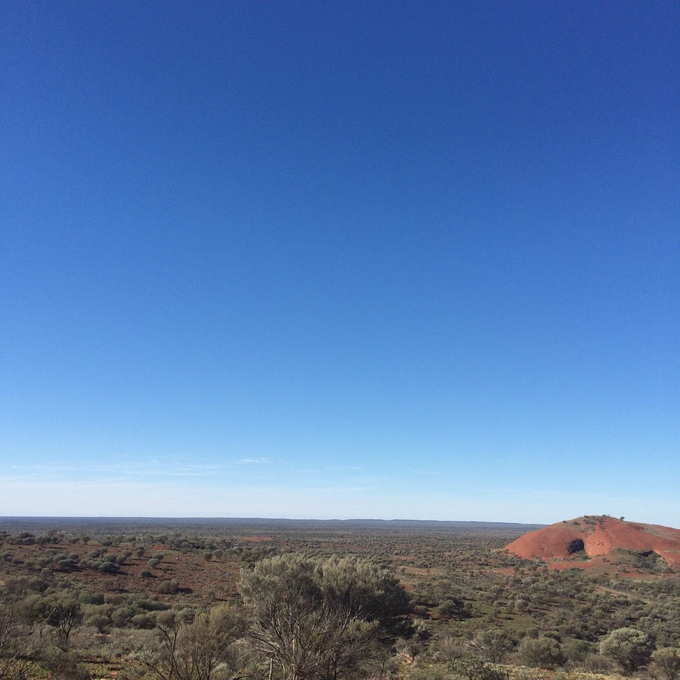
250 525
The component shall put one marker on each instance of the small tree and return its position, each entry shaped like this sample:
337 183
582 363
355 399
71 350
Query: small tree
64 616
666 662
9 640
630 648
491 645
321 620
197 650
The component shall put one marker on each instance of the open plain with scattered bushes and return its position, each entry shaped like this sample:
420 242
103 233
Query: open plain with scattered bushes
322 600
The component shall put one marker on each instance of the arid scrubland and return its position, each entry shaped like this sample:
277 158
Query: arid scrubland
247 599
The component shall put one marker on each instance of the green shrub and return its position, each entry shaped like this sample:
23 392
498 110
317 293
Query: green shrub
122 616
666 663
143 620
540 652
470 667
109 568
630 648
169 587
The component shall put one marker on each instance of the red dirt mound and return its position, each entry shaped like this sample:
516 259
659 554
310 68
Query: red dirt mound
598 536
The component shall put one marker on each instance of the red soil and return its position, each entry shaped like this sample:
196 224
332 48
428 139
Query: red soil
199 579
600 536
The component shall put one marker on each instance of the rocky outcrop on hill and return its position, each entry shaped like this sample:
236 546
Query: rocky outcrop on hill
593 536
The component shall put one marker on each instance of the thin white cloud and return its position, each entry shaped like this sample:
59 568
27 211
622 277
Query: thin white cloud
122 470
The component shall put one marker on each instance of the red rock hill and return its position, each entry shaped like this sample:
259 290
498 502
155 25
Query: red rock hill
598 536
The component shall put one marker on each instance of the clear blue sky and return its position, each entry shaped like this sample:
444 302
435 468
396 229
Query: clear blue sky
340 259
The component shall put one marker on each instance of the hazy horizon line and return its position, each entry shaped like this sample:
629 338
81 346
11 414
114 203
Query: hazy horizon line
258 519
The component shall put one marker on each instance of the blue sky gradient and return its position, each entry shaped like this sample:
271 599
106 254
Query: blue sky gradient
340 260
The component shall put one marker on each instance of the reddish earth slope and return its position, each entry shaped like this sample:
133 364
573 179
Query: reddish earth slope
598 536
